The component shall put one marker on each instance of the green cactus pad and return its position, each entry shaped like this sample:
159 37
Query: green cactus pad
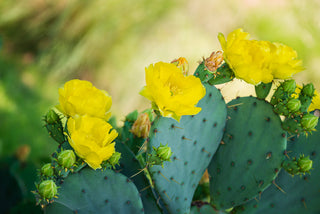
193 142
97 191
301 192
250 155
130 167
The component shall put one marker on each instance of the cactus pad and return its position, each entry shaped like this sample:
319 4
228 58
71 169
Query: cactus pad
250 155
97 191
193 142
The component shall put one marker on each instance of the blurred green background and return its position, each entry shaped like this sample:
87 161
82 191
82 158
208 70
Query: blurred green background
45 43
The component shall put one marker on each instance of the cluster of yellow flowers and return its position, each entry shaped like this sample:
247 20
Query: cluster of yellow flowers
87 109
258 61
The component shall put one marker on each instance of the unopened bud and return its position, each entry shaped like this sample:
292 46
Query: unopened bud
47 189
289 86
141 126
309 121
51 117
47 170
66 158
304 163
182 64
164 152
294 105
308 90
114 159
22 153
214 61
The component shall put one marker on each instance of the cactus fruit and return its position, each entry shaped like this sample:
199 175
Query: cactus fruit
193 142
54 126
47 189
66 158
294 195
47 170
97 191
250 155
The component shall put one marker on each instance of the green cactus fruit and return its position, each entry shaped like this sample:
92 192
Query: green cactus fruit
262 90
293 105
291 166
308 90
95 191
54 126
164 152
309 122
47 170
289 86
281 109
305 164
224 74
203 73
132 116
47 189
66 158
287 194
292 125
251 154
193 142
114 159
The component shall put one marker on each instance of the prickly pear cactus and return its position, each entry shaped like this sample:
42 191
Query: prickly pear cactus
294 195
193 142
203 208
251 153
98 191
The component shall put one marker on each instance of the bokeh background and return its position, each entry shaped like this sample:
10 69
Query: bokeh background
45 43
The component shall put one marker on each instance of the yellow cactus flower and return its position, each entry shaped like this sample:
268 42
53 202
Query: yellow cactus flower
92 139
80 97
172 93
258 61
315 104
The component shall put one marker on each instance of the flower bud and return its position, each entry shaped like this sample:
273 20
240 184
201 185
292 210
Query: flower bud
66 158
164 152
114 159
22 153
294 105
289 86
308 90
291 166
52 117
141 126
47 170
309 121
304 163
47 189
182 64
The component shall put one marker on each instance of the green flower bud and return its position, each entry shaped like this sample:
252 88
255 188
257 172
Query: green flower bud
289 86
47 170
294 105
308 90
164 152
114 159
309 121
304 163
66 158
47 189
52 117
291 166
